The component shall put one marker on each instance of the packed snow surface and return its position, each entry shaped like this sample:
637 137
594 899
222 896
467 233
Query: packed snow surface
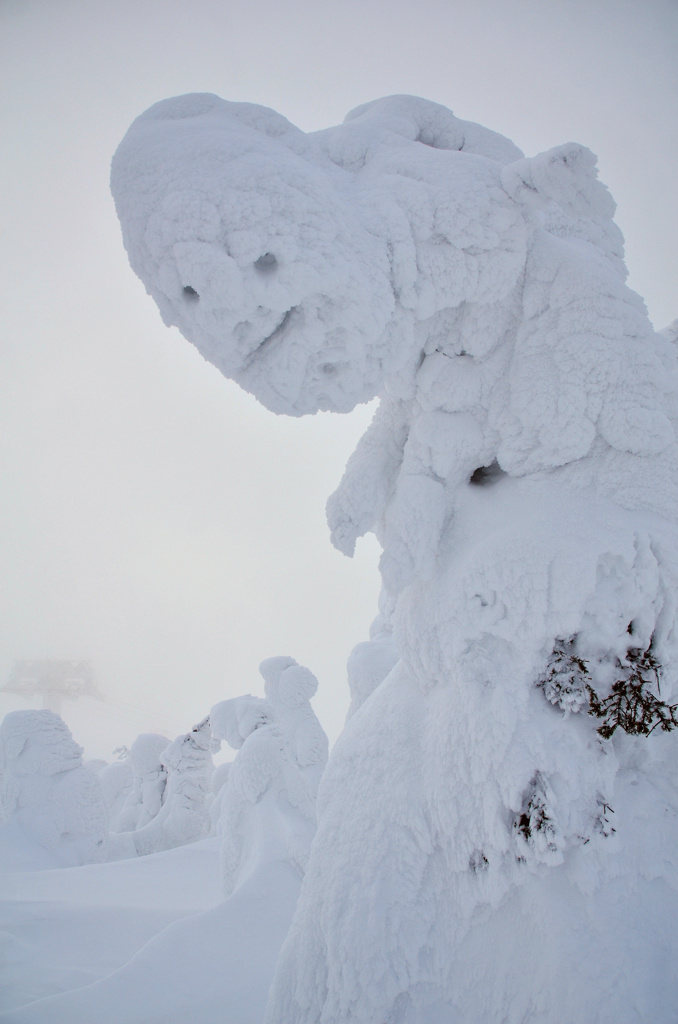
497 825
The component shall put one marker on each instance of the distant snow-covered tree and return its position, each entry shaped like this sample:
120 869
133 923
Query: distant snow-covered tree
183 816
148 786
289 688
267 810
47 792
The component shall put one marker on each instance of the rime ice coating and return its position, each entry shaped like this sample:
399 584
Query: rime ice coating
521 475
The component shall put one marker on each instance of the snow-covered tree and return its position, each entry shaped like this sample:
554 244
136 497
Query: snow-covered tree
289 688
183 816
521 475
148 786
46 790
116 780
267 808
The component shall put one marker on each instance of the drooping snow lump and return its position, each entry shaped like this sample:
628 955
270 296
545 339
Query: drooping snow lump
497 825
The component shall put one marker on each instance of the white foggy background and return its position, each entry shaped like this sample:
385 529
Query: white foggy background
154 518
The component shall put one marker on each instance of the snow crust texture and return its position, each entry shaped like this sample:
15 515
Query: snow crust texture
46 793
484 835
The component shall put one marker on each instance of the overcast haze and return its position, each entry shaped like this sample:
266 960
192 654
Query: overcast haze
155 519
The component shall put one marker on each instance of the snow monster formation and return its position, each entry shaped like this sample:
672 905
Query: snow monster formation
47 792
267 808
182 815
149 782
498 823
289 687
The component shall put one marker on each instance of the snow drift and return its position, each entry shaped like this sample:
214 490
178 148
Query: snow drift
500 814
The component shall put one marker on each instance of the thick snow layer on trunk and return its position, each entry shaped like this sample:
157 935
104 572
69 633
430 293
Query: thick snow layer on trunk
499 816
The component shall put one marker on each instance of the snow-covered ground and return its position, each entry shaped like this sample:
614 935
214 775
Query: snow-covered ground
143 940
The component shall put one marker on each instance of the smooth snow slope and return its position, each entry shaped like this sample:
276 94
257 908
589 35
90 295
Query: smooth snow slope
64 928
480 842
212 967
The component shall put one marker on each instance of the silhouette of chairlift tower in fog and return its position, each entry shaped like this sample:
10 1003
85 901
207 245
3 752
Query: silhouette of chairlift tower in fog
54 681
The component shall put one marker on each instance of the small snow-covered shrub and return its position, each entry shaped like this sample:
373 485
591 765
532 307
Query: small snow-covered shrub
535 828
634 702
565 681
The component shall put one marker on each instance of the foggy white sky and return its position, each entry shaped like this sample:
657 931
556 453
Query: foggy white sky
153 517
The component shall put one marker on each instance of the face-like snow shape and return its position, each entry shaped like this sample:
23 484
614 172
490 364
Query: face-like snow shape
294 275
253 253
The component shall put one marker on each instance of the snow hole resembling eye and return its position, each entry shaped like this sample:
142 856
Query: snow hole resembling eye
329 369
485 475
266 264
190 294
